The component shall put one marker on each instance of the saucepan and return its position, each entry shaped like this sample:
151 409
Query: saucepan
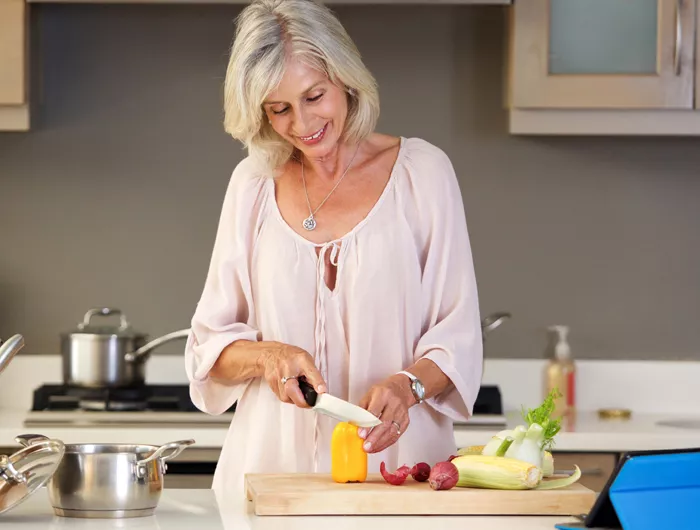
108 481
103 355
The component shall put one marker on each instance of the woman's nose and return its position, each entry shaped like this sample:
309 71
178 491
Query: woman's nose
299 122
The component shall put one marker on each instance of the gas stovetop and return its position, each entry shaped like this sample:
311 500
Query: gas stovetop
170 405
62 405
173 398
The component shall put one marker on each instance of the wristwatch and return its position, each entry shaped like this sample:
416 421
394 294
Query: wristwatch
416 386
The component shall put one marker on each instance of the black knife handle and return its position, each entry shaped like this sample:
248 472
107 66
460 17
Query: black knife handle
307 390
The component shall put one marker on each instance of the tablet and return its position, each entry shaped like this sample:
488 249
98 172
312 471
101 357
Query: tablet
603 514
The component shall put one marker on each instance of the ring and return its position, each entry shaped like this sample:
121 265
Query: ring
287 378
398 427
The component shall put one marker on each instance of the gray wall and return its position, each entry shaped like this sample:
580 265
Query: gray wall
114 197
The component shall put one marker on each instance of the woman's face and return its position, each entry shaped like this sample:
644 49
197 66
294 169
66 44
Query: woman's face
307 110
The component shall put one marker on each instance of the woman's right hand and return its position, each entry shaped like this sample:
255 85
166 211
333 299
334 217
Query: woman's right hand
291 362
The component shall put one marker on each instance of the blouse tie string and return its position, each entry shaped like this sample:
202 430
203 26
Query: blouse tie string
320 353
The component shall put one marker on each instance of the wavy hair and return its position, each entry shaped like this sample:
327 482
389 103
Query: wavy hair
267 33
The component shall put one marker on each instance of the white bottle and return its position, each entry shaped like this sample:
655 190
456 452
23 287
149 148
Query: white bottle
560 372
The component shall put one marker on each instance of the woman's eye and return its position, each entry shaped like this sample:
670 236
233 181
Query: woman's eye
315 98
282 111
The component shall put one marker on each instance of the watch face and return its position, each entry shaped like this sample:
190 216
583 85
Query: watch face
420 391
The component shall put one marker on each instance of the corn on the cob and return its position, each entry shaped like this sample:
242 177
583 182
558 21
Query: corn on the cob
471 450
496 472
547 460
547 464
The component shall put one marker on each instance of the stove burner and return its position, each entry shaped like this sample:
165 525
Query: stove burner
175 398
90 404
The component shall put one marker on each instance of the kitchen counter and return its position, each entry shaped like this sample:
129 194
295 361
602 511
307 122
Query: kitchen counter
206 434
187 509
586 433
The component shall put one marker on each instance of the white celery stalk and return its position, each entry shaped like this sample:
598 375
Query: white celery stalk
518 435
492 446
530 449
505 444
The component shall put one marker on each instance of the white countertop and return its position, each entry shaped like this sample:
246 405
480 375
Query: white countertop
587 433
205 435
187 509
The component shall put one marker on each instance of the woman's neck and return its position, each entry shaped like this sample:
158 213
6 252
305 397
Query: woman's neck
332 166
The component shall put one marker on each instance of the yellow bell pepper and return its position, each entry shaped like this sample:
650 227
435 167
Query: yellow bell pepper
348 459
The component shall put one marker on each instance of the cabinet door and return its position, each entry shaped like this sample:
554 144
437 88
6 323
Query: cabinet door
602 54
596 468
697 54
12 52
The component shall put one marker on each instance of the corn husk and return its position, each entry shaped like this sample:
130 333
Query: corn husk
561 482
547 460
496 472
471 450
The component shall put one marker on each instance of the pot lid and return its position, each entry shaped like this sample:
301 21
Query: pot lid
89 326
27 470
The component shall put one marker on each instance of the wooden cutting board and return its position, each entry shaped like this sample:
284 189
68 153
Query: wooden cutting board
318 494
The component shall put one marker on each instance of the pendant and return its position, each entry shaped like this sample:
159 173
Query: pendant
309 223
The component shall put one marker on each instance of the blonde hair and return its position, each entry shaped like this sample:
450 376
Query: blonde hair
267 33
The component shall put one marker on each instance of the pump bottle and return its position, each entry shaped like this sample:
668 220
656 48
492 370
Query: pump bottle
560 372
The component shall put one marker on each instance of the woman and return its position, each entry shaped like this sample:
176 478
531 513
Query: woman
342 255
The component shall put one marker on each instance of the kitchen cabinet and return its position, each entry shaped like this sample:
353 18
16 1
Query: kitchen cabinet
603 67
596 468
14 101
603 54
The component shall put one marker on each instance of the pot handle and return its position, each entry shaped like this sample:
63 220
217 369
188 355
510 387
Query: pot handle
29 439
9 349
104 311
8 471
175 449
143 351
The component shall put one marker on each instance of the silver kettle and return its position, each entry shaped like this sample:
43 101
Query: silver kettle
9 349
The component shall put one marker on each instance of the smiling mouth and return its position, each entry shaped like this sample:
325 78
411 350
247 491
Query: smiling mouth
314 137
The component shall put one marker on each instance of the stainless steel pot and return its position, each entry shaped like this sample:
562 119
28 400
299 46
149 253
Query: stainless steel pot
9 349
108 481
108 356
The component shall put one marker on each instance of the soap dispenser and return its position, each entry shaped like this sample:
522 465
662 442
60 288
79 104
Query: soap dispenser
560 371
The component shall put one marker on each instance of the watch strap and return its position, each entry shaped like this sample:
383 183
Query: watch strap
414 380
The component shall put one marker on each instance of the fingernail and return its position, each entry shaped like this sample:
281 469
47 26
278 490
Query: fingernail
321 388
362 433
367 446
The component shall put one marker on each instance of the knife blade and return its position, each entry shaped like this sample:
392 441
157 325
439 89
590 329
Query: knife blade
335 407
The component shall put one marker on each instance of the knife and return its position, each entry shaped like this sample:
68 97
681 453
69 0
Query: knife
335 407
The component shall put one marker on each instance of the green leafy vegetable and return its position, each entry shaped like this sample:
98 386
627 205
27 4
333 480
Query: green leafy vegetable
542 416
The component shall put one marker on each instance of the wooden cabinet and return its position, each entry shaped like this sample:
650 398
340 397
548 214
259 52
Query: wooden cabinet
596 468
14 100
604 67
697 54
603 54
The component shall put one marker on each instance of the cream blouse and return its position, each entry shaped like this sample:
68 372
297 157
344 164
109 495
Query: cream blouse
405 290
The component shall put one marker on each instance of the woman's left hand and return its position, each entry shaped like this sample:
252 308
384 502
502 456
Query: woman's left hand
389 401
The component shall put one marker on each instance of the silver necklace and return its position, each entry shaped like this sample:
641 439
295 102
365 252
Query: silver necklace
310 222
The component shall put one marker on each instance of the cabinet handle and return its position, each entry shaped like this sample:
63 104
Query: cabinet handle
679 39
